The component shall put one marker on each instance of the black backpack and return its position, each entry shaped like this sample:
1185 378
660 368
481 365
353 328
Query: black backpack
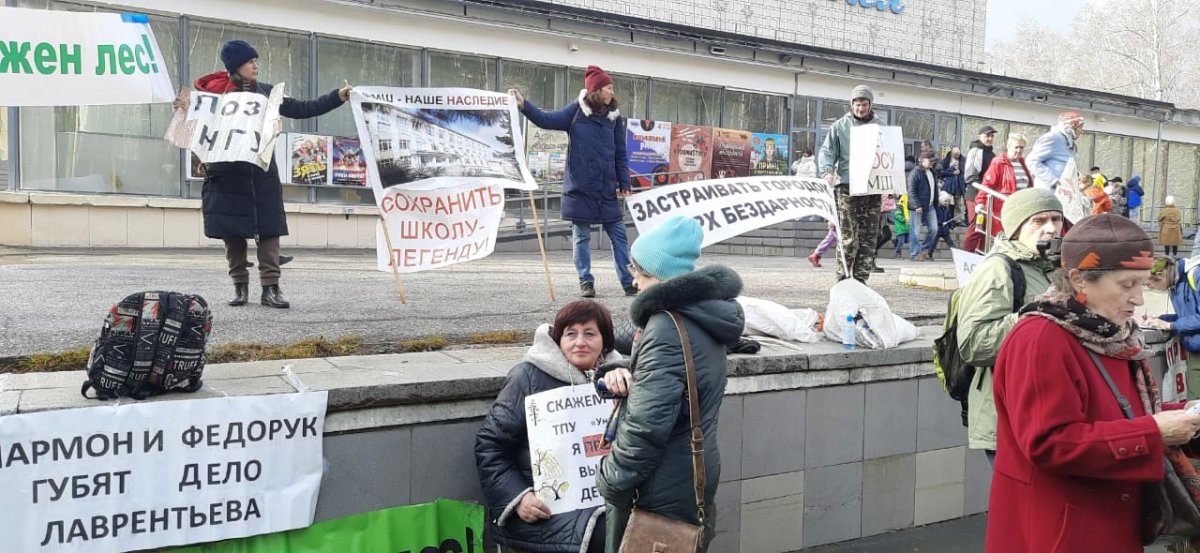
956 375
151 343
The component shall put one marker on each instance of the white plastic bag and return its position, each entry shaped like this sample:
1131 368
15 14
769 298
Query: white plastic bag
768 318
882 329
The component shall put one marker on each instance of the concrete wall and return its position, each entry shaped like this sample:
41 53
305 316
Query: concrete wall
819 445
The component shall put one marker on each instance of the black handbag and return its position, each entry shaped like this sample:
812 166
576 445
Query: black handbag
1169 514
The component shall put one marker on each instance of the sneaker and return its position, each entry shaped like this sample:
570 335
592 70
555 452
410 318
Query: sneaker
877 269
815 260
631 290
587 289
897 254
285 259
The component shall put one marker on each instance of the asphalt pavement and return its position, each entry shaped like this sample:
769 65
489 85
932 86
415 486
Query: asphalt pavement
56 299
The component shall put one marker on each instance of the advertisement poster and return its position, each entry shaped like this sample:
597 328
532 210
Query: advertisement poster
731 154
309 158
769 154
546 152
349 166
648 145
443 525
691 152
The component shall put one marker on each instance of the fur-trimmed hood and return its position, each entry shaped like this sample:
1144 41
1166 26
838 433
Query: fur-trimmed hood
548 357
613 114
705 296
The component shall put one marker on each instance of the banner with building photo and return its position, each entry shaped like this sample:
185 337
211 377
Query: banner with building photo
438 160
648 147
69 58
731 153
876 160
565 427
769 154
727 208
691 152
308 158
140 476
349 166
236 126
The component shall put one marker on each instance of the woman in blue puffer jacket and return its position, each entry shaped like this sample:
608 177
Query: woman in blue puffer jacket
1180 279
597 172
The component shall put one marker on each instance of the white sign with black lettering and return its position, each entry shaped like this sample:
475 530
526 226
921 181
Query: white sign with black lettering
965 263
565 427
236 126
876 160
148 475
727 208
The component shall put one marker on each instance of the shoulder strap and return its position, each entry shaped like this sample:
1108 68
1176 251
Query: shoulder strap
1018 279
698 472
1189 267
1112 386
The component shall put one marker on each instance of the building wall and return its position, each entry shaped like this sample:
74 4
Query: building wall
944 32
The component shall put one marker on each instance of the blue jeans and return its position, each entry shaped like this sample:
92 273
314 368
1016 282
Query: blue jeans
928 218
581 235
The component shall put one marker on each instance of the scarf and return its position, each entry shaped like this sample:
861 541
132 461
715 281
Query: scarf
1102 336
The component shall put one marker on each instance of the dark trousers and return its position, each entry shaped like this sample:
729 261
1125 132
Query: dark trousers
268 260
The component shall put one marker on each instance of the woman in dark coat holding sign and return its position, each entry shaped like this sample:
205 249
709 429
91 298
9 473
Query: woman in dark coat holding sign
241 201
597 172
561 355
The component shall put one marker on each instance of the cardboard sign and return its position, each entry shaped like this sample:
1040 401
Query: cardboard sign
965 263
565 427
876 160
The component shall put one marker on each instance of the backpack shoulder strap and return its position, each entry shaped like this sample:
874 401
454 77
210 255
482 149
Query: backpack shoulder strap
1017 274
1189 267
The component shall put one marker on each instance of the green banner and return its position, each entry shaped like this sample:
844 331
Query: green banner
444 526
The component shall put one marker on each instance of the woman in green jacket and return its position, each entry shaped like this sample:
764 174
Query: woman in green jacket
651 461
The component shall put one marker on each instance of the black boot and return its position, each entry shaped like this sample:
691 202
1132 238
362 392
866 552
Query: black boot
241 294
272 297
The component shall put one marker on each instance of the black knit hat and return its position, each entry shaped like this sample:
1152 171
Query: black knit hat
1107 242
236 53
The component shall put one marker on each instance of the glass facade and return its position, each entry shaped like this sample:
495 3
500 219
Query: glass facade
119 149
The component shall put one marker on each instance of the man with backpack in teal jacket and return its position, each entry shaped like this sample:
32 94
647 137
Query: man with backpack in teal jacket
1032 218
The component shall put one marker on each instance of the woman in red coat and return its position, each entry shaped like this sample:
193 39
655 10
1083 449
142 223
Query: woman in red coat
1069 466
1007 174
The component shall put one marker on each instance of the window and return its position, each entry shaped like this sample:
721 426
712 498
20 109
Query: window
341 61
804 113
1112 155
103 149
754 112
801 141
947 130
831 111
1183 166
1145 151
282 58
686 103
540 84
447 69
631 92
4 184
1086 151
917 126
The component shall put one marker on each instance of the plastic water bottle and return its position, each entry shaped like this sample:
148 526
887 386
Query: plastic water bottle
848 329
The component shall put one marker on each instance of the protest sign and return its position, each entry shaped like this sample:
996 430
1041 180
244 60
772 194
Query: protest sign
147 475
444 525
308 158
236 126
769 154
728 207
965 263
438 160
1076 204
565 427
1174 382
69 58
648 145
876 160
691 152
349 167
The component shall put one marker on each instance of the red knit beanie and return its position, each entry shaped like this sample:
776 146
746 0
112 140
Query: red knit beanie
595 78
